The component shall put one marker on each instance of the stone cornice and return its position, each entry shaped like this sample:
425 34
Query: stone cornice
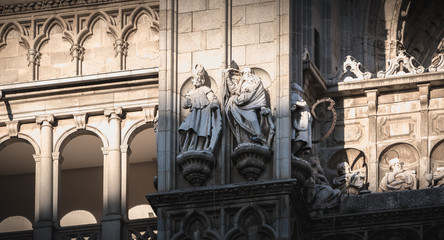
228 192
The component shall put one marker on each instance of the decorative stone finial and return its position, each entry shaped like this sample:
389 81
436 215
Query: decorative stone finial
351 70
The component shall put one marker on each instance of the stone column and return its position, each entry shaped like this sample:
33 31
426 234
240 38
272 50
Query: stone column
121 48
424 162
111 221
77 52
33 57
372 153
126 152
57 163
43 227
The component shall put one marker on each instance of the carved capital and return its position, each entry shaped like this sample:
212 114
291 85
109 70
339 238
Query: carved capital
37 157
33 57
121 47
57 157
46 120
150 113
105 150
77 52
114 113
80 120
13 128
125 149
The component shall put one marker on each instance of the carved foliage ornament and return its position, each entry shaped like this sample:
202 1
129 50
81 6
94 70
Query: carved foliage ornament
401 65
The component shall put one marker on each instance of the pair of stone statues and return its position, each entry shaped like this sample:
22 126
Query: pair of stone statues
248 116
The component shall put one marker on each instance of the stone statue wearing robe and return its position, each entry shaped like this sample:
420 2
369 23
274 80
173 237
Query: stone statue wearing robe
201 128
248 115
398 179
301 123
349 182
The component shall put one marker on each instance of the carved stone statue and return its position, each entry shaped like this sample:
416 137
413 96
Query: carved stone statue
349 182
250 121
398 179
200 131
301 123
437 179
246 108
319 193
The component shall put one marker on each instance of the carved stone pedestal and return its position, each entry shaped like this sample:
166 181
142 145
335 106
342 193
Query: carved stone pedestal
252 210
196 166
250 160
300 170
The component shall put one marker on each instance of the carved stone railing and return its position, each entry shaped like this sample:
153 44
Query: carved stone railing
22 235
81 232
141 229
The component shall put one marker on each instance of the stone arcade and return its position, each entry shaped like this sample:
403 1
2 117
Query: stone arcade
222 119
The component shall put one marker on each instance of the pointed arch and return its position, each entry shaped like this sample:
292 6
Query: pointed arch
199 222
8 27
134 18
47 26
93 18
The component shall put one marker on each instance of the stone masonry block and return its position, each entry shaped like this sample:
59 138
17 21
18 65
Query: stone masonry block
247 34
259 13
260 53
214 39
192 41
191 5
210 58
238 55
184 62
244 2
184 22
267 32
238 15
205 20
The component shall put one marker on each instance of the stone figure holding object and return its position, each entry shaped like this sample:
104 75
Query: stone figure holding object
201 128
246 108
349 182
398 179
437 179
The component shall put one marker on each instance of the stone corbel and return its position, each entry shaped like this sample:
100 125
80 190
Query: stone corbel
372 101
13 128
45 120
424 92
33 57
113 113
401 65
150 113
80 120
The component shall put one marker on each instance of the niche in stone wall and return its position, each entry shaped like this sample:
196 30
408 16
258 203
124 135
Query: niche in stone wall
406 154
437 156
354 157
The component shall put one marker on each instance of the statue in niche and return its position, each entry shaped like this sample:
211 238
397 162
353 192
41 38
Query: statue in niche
249 119
201 128
398 179
246 108
437 179
319 193
301 123
200 131
349 182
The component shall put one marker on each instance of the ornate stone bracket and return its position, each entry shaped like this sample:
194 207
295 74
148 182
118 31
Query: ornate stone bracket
45 120
300 170
113 113
33 57
250 160
77 52
352 70
150 114
13 128
80 120
402 64
196 166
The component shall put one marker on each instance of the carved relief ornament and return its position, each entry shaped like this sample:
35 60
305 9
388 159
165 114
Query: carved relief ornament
352 70
401 65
